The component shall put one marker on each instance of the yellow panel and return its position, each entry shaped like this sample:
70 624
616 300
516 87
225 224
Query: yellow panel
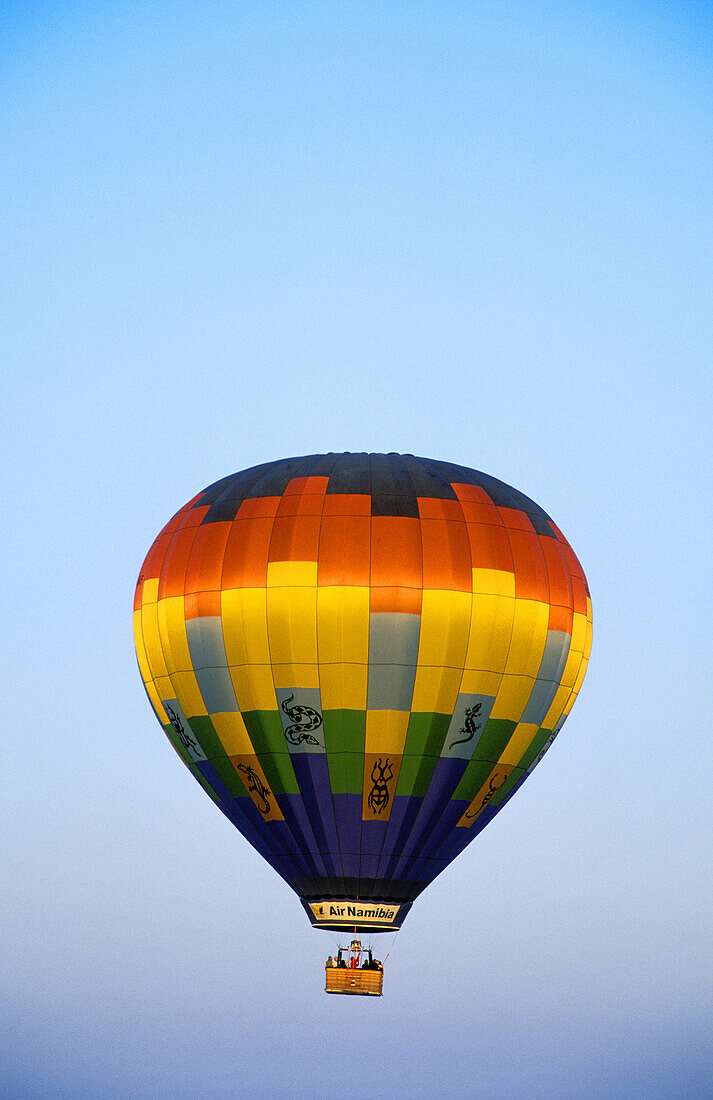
580 676
445 625
152 640
529 634
588 640
436 689
156 702
244 612
343 624
557 707
291 574
343 687
496 779
512 697
481 683
149 593
254 687
571 668
490 632
292 625
188 693
172 630
579 631
233 735
165 688
519 743
295 676
494 582
386 731
141 649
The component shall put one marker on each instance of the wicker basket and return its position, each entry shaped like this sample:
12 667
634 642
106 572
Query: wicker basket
360 983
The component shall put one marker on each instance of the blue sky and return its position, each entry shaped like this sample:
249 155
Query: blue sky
232 233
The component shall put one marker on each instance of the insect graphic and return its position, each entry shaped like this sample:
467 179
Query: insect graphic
469 727
186 740
379 796
256 785
303 719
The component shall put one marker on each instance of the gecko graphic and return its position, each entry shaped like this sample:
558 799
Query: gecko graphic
256 785
469 727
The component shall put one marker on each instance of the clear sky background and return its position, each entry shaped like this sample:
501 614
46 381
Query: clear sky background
481 232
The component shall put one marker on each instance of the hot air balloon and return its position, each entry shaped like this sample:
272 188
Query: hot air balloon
360 658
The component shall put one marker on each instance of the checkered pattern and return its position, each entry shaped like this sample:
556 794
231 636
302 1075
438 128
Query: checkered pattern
361 658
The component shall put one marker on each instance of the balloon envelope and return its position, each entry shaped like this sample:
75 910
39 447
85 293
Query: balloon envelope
361 658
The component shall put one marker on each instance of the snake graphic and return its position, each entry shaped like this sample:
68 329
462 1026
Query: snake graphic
303 719
469 725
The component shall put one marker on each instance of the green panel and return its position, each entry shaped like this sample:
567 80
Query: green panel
473 778
205 785
206 735
426 734
346 772
507 786
415 775
493 739
266 732
345 731
176 742
228 774
279 772
535 748
337 772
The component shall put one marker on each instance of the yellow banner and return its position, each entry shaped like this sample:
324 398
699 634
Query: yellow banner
350 913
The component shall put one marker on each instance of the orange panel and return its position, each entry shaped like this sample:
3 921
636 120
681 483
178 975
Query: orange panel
308 505
304 496
489 547
192 517
245 561
579 596
433 508
446 555
395 599
152 565
300 485
477 511
184 518
516 518
471 492
344 550
295 538
560 618
173 570
205 561
531 580
258 507
572 560
347 504
395 552
557 572
198 604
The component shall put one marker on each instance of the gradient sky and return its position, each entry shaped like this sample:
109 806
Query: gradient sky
480 232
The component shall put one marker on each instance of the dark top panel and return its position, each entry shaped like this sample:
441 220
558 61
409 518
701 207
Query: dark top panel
394 482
